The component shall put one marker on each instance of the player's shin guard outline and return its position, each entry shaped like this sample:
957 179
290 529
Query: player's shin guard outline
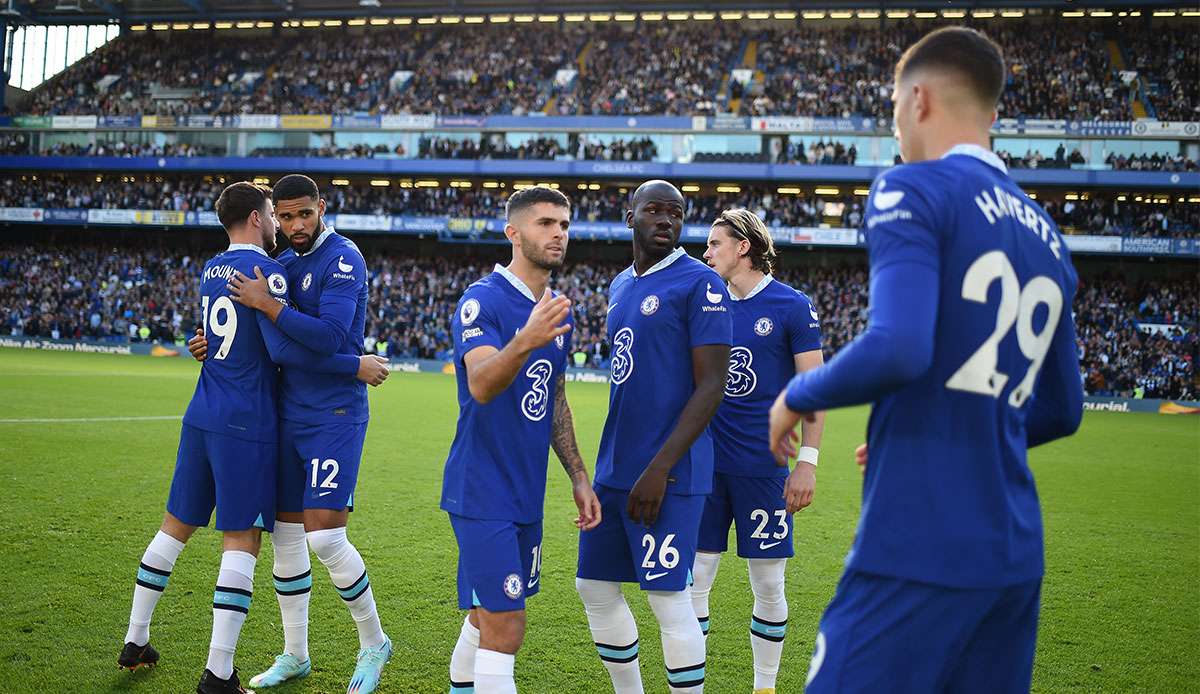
704 573
682 640
154 572
613 631
768 622
346 568
292 574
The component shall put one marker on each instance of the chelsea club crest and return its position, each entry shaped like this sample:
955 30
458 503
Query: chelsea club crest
649 305
306 282
763 326
513 586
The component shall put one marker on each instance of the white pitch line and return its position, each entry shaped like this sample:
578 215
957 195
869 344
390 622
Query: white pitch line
69 420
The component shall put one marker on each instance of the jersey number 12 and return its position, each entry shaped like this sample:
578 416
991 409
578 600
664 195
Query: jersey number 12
222 322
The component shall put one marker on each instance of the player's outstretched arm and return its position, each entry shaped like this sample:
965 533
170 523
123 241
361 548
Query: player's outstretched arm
324 333
1056 408
896 348
490 371
562 438
710 365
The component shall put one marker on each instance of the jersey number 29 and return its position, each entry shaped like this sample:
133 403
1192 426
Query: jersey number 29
979 374
222 323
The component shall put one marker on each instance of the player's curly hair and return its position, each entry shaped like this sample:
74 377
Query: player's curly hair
745 225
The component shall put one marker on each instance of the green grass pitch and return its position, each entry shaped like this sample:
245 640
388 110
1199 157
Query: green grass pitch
1120 613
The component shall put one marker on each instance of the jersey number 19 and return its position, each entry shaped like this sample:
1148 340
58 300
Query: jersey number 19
222 323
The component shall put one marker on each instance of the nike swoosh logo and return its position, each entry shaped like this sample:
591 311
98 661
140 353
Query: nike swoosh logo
813 313
712 298
350 268
320 494
651 577
610 308
534 582
767 545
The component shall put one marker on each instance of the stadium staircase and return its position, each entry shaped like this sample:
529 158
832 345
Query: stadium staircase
727 82
1116 57
581 60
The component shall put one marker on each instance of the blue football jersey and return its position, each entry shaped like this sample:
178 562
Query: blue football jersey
328 282
496 469
771 325
654 321
236 392
948 496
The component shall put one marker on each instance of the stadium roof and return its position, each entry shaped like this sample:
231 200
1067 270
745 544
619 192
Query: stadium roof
130 11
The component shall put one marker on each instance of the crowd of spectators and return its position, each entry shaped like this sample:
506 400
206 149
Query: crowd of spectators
1138 340
1109 216
1093 214
1056 70
132 149
1135 339
1152 162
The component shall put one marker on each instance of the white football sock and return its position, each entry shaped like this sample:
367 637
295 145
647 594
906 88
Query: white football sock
613 631
768 624
293 585
349 576
494 672
704 572
155 570
682 640
462 661
231 603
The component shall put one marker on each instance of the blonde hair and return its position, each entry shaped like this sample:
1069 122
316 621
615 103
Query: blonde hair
745 225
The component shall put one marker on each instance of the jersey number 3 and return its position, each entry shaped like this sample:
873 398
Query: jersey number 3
978 374
223 327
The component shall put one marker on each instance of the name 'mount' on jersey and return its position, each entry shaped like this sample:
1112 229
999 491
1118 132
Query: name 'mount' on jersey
948 450
654 321
235 393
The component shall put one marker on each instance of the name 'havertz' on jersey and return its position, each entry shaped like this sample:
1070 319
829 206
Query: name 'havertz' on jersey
942 584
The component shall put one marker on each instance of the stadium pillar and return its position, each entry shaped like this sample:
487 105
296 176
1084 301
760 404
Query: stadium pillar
5 63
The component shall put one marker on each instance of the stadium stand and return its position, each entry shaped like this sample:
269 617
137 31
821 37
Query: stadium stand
1057 70
108 293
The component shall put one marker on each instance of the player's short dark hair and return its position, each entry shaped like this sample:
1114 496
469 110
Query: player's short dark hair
238 200
294 186
967 52
529 197
744 224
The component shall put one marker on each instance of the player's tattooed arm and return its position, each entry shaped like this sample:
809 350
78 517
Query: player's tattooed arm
562 438
562 433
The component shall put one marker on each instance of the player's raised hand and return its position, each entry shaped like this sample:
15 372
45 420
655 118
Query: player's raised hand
860 456
373 370
587 503
783 438
646 497
249 292
198 345
545 321
800 486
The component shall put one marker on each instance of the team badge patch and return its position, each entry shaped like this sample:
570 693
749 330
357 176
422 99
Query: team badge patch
763 326
277 283
469 312
649 305
306 282
513 586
